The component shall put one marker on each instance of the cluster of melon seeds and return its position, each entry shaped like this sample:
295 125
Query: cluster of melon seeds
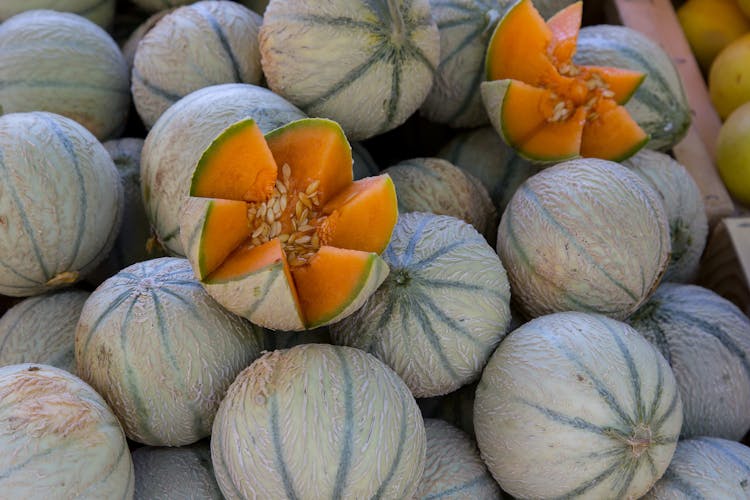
586 92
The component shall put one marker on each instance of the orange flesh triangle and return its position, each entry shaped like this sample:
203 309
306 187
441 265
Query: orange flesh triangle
614 135
621 82
558 140
564 27
225 227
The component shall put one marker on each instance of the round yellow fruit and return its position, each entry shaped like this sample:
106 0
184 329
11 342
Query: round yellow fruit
710 25
733 153
729 78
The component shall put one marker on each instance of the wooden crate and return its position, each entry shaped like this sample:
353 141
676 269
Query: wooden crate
725 267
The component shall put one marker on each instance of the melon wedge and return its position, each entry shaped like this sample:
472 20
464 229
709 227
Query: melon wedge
544 106
303 252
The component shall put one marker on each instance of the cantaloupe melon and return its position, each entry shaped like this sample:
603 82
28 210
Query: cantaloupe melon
101 12
135 36
184 472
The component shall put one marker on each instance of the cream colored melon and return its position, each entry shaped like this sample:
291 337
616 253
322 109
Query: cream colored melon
135 37
101 12
179 473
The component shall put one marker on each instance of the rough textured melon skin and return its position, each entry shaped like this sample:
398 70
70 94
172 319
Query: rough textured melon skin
585 235
206 43
659 105
373 62
60 202
442 310
59 438
42 330
135 37
453 469
161 351
683 202
706 340
176 142
101 12
184 473
565 400
437 186
705 468
318 421
485 155
64 64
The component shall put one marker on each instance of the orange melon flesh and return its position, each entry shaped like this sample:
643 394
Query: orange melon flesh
564 27
622 82
525 111
225 228
614 135
326 284
362 216
557 140
236 166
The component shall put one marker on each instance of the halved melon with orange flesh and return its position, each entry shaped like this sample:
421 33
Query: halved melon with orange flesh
306 253
542 104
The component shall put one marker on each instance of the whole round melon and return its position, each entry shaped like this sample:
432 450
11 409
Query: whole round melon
60 202
585 235
59 438
437 186
683 203
177 140
706 340
442 309
705 467
135 36
318 421
42 329
374 62
453 469
577 405
485 155
161 352
659 105
184 472
64 64
203 44
101 12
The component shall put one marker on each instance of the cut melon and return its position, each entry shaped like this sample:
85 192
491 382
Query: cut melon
548 108
277 230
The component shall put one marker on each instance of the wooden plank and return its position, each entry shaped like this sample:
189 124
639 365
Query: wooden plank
725 267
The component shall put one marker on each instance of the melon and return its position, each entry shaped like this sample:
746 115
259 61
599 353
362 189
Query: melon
363 163
485 156
279 233
706 340
318 421
442 310
453 469
64 64
577 405
683 203
42 329
659 105
585 235
101 12
177 140
705 467
59 438
373 62
60 202
135 36
160 351
437 186
184 472
206 43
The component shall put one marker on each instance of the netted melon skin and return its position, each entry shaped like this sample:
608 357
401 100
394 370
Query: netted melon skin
184 473
101 12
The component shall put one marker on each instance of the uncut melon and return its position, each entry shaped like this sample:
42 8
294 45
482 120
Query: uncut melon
42 330
101 12
374 62
135 37
59 438
437 186
683 203
659 105
484 155
705 467
64 64
576 405
184 473
161 351
318 421
706 340
203 44
441 311
177 140
60 203
585 235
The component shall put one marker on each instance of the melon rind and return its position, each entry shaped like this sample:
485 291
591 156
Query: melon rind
184 472
101 12
135 37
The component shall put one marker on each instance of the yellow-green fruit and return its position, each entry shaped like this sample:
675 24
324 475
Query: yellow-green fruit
729 79
733 153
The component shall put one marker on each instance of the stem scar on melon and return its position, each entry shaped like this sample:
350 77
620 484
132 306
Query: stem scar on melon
277 230
545 106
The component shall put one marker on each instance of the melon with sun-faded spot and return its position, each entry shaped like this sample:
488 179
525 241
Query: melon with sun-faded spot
279 233
373 62
101 12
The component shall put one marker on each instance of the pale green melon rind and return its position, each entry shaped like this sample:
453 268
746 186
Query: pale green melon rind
53 428
101 12
195 212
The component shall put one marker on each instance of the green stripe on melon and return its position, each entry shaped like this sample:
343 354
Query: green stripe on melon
64 64
184 472
161 351
101 12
